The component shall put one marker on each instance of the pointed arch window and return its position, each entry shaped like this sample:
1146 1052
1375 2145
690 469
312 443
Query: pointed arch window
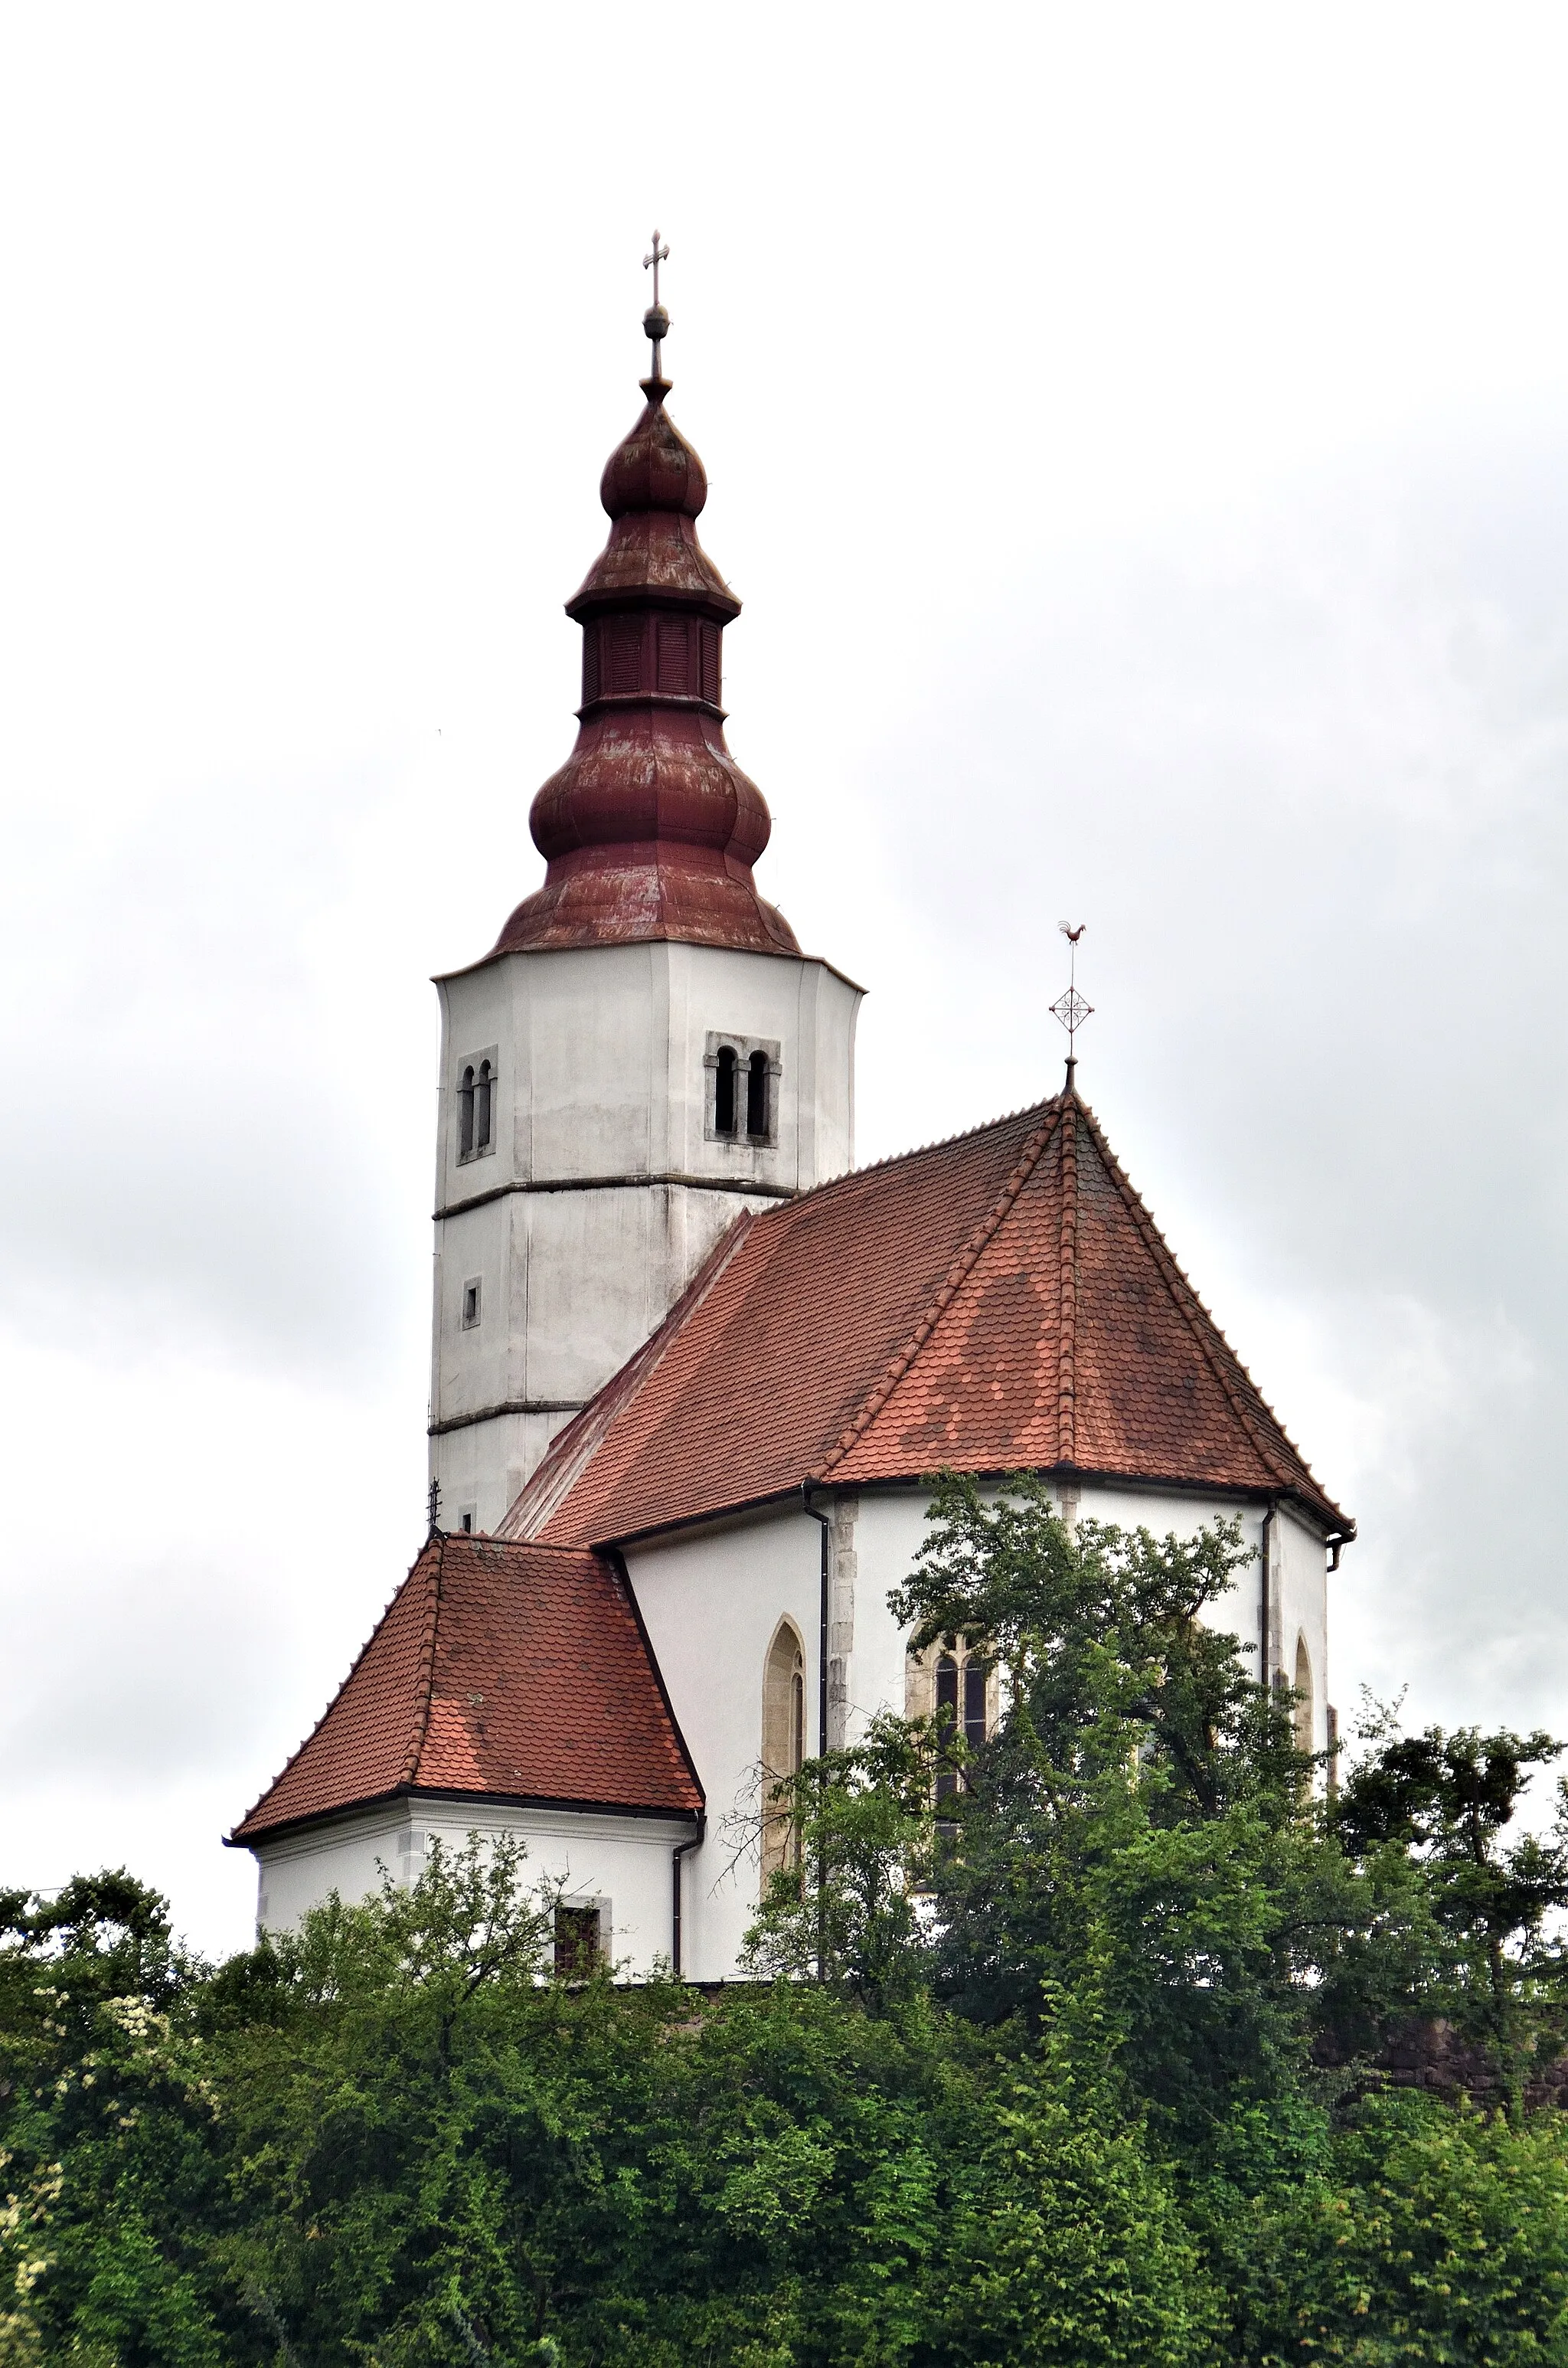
783 1744
1303 1714
958 1696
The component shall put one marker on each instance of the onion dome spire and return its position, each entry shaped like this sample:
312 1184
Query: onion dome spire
650 829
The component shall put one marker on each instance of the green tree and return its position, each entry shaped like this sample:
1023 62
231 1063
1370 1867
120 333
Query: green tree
1445 1804
1142 1835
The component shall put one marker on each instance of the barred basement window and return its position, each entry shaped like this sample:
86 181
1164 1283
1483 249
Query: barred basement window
577 1943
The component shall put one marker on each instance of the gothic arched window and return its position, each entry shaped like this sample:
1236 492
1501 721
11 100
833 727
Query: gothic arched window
960 1706
1303 1716
756 1096
465 1113
724 1091
946 1718
783 1744
481 1086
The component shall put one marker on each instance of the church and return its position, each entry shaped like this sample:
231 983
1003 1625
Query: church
692 1368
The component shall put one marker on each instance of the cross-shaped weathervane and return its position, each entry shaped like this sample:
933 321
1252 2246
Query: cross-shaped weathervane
1071 1009
435 1503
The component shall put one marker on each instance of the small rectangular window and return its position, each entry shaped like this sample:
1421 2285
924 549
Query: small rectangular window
471 1303
577 1945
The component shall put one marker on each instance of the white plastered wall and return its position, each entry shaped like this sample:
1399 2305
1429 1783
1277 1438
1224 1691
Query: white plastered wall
711 1602
712 1599
620 1865
604 1188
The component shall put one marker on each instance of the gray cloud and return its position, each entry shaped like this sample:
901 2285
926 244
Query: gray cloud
1139 519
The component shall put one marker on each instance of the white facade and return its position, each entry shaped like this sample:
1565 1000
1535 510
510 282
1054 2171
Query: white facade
619 1865
564 1238
712 1599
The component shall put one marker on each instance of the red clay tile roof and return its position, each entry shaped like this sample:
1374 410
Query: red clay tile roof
510 1671
1000 1301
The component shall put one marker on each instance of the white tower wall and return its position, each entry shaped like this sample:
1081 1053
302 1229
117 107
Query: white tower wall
604 1184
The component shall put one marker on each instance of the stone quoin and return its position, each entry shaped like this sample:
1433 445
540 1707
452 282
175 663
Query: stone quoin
691 1369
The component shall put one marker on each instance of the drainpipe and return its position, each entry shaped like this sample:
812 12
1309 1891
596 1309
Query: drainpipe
676 1855
1263 1598
827 1522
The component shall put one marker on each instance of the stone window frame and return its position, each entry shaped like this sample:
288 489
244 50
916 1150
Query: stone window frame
475 1061
743 1048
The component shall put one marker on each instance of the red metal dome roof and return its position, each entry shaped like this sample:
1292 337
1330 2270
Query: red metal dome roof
650 829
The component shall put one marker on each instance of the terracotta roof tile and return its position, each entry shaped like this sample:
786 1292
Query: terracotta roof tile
998 1300
497 1669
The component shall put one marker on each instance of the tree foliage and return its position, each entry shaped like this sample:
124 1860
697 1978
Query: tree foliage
1073 2061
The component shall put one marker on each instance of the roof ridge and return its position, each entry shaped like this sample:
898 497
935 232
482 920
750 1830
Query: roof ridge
1207 1331
562 1465
425 1682
1067 1290
935 1307
388 1607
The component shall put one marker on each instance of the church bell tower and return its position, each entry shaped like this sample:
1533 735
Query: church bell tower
644 1052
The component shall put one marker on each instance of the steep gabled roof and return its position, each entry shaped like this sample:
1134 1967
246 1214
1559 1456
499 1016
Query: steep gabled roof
503 1670
1000 1301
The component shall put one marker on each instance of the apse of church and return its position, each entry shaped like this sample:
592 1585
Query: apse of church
645 1051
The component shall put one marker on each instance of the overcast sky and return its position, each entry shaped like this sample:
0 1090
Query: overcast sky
1138 438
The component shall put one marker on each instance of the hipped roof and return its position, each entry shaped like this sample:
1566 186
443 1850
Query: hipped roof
498 1670
999 1301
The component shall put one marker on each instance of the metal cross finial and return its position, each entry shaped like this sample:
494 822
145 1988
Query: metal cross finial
651 262
655 320
435 1503
1071 1009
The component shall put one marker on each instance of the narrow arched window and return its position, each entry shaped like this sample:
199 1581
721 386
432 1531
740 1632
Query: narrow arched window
465 1114
724 1091
1302 1717
947 1720
481 1086
976 1682
756 1096
783 1746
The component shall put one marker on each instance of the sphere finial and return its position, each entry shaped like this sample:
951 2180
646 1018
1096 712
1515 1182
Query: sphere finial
655 320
